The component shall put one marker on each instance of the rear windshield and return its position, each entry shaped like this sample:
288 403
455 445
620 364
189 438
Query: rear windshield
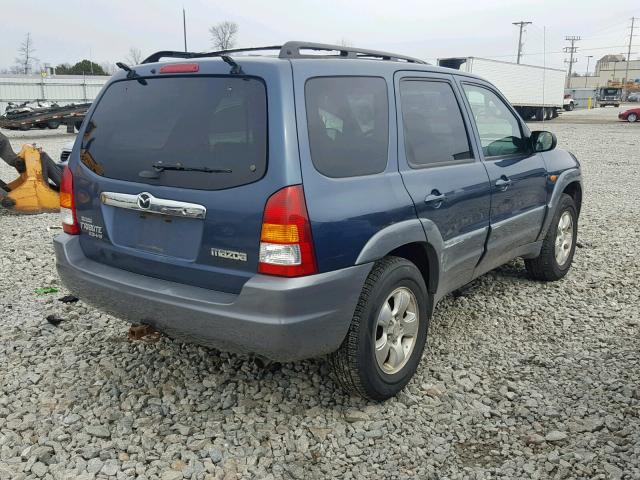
217 123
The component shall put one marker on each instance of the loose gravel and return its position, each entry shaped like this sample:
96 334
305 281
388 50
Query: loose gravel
520 379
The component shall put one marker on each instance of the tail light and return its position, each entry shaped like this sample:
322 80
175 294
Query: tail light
286 246
68 204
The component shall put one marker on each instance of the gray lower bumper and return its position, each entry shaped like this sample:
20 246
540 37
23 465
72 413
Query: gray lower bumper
280 318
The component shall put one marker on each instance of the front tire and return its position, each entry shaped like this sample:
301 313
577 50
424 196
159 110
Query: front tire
388 332
632 117
559 244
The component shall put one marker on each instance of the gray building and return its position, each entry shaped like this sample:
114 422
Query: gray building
610 69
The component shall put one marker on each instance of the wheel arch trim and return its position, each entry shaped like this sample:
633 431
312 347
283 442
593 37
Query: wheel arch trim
564 179
405 233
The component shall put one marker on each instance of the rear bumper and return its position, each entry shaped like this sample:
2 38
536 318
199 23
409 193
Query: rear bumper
280 318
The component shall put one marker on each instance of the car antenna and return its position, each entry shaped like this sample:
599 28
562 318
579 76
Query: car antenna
131 73
235 68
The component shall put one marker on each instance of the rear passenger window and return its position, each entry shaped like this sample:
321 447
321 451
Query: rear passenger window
434 132
348 124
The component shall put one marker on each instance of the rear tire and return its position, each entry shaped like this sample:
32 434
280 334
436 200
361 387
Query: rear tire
558 246
53 125
549 114
539 115
382 349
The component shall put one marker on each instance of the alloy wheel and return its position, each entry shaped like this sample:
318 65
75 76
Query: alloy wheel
564 238
396 330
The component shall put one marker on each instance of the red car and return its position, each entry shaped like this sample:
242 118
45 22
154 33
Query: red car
631 115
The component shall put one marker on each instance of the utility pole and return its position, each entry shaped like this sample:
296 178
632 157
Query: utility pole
586 77
572 51
184 28
522 25
626 70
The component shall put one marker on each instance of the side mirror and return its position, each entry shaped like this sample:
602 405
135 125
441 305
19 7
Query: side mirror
543 141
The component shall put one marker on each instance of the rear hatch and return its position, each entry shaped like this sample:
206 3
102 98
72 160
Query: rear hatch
173 176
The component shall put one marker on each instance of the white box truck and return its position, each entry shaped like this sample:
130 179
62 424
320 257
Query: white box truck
535 92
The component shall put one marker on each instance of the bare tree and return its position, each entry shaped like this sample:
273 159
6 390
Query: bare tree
108 67
25 59
135 56
223 35
344 42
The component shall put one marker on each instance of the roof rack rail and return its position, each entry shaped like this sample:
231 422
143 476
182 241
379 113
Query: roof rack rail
186 55
293 50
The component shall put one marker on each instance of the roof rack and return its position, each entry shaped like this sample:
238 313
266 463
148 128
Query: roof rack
177 54
294 50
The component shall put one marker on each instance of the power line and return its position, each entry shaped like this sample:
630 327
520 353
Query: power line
522 25
558 52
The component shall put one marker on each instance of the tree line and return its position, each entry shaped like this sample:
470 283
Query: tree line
223 37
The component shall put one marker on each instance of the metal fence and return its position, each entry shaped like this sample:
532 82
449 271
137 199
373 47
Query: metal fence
62 89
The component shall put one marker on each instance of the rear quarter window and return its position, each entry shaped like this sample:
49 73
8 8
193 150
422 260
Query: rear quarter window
348 125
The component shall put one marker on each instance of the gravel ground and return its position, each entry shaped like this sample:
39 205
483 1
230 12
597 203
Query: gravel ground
519 380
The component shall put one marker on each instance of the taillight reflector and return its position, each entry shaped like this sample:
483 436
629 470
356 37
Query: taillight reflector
180 68
286 245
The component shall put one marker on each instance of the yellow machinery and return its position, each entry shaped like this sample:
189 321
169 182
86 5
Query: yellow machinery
30 190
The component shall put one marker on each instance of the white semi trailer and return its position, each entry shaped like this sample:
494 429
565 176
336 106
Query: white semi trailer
535 92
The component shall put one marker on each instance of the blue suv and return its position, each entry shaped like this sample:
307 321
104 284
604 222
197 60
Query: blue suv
319 201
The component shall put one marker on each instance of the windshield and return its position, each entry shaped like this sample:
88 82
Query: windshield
611 91
198 122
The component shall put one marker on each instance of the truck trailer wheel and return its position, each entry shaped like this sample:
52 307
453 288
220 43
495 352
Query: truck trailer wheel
539 116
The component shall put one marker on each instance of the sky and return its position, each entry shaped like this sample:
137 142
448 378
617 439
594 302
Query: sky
70 30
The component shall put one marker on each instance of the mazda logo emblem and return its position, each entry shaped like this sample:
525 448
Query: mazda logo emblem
144 200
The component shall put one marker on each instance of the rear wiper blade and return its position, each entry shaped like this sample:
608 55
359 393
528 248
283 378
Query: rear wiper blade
159 167
131 73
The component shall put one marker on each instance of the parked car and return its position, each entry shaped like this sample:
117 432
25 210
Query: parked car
65 153
634 97
631 115
317 202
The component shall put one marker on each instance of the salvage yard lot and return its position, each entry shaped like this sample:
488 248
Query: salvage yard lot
520 379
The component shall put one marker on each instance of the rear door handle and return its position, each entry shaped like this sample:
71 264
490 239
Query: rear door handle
435 199
503 183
